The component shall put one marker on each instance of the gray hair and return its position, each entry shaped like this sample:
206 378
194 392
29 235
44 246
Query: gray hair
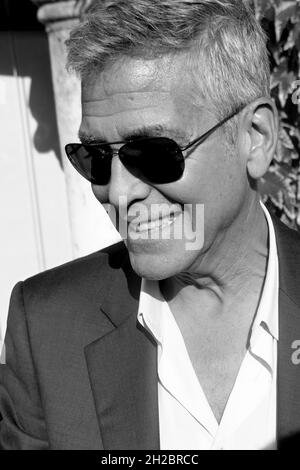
225 44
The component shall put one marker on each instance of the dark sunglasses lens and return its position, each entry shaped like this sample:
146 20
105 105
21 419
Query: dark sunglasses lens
92 162
158 160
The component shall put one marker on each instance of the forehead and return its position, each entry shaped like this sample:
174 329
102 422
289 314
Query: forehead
132 83
133 95
128 74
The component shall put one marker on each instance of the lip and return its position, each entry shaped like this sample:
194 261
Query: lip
131 219
151 225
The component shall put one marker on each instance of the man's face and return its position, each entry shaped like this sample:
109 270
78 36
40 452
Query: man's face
135 97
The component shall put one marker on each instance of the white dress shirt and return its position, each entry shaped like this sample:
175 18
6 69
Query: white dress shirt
186 420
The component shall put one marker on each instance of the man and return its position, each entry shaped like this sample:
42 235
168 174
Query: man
166 341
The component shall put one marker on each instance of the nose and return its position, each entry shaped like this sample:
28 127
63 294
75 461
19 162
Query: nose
125 188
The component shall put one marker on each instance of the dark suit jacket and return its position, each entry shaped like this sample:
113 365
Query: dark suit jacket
81 373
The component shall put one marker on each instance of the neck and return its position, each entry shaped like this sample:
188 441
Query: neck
230 275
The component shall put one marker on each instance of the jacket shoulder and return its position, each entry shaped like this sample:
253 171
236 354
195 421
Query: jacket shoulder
288 247
288 240
73 286
80 275
62 305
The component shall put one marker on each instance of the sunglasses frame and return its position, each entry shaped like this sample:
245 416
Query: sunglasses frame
197 141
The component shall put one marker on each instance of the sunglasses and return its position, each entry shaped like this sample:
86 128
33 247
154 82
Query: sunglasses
157 160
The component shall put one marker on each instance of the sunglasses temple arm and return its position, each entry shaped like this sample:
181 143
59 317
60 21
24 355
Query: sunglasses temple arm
210 131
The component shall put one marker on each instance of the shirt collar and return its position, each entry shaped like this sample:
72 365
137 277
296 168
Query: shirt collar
151 308
267 313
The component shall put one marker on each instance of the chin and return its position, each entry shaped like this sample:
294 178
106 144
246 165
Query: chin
158 266
147 267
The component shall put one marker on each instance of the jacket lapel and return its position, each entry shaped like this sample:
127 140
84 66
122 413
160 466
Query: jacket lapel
122 368
288 386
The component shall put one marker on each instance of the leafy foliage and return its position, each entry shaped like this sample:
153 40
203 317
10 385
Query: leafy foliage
281 185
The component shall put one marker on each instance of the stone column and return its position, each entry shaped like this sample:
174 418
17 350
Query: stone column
90 227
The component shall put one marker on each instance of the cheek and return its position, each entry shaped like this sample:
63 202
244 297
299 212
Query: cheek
214 180
203 183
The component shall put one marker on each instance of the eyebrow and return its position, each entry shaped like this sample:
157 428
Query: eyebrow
156 130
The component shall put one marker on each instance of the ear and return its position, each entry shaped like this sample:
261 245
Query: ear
259 127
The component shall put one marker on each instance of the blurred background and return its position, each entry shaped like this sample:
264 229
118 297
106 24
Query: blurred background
48 212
